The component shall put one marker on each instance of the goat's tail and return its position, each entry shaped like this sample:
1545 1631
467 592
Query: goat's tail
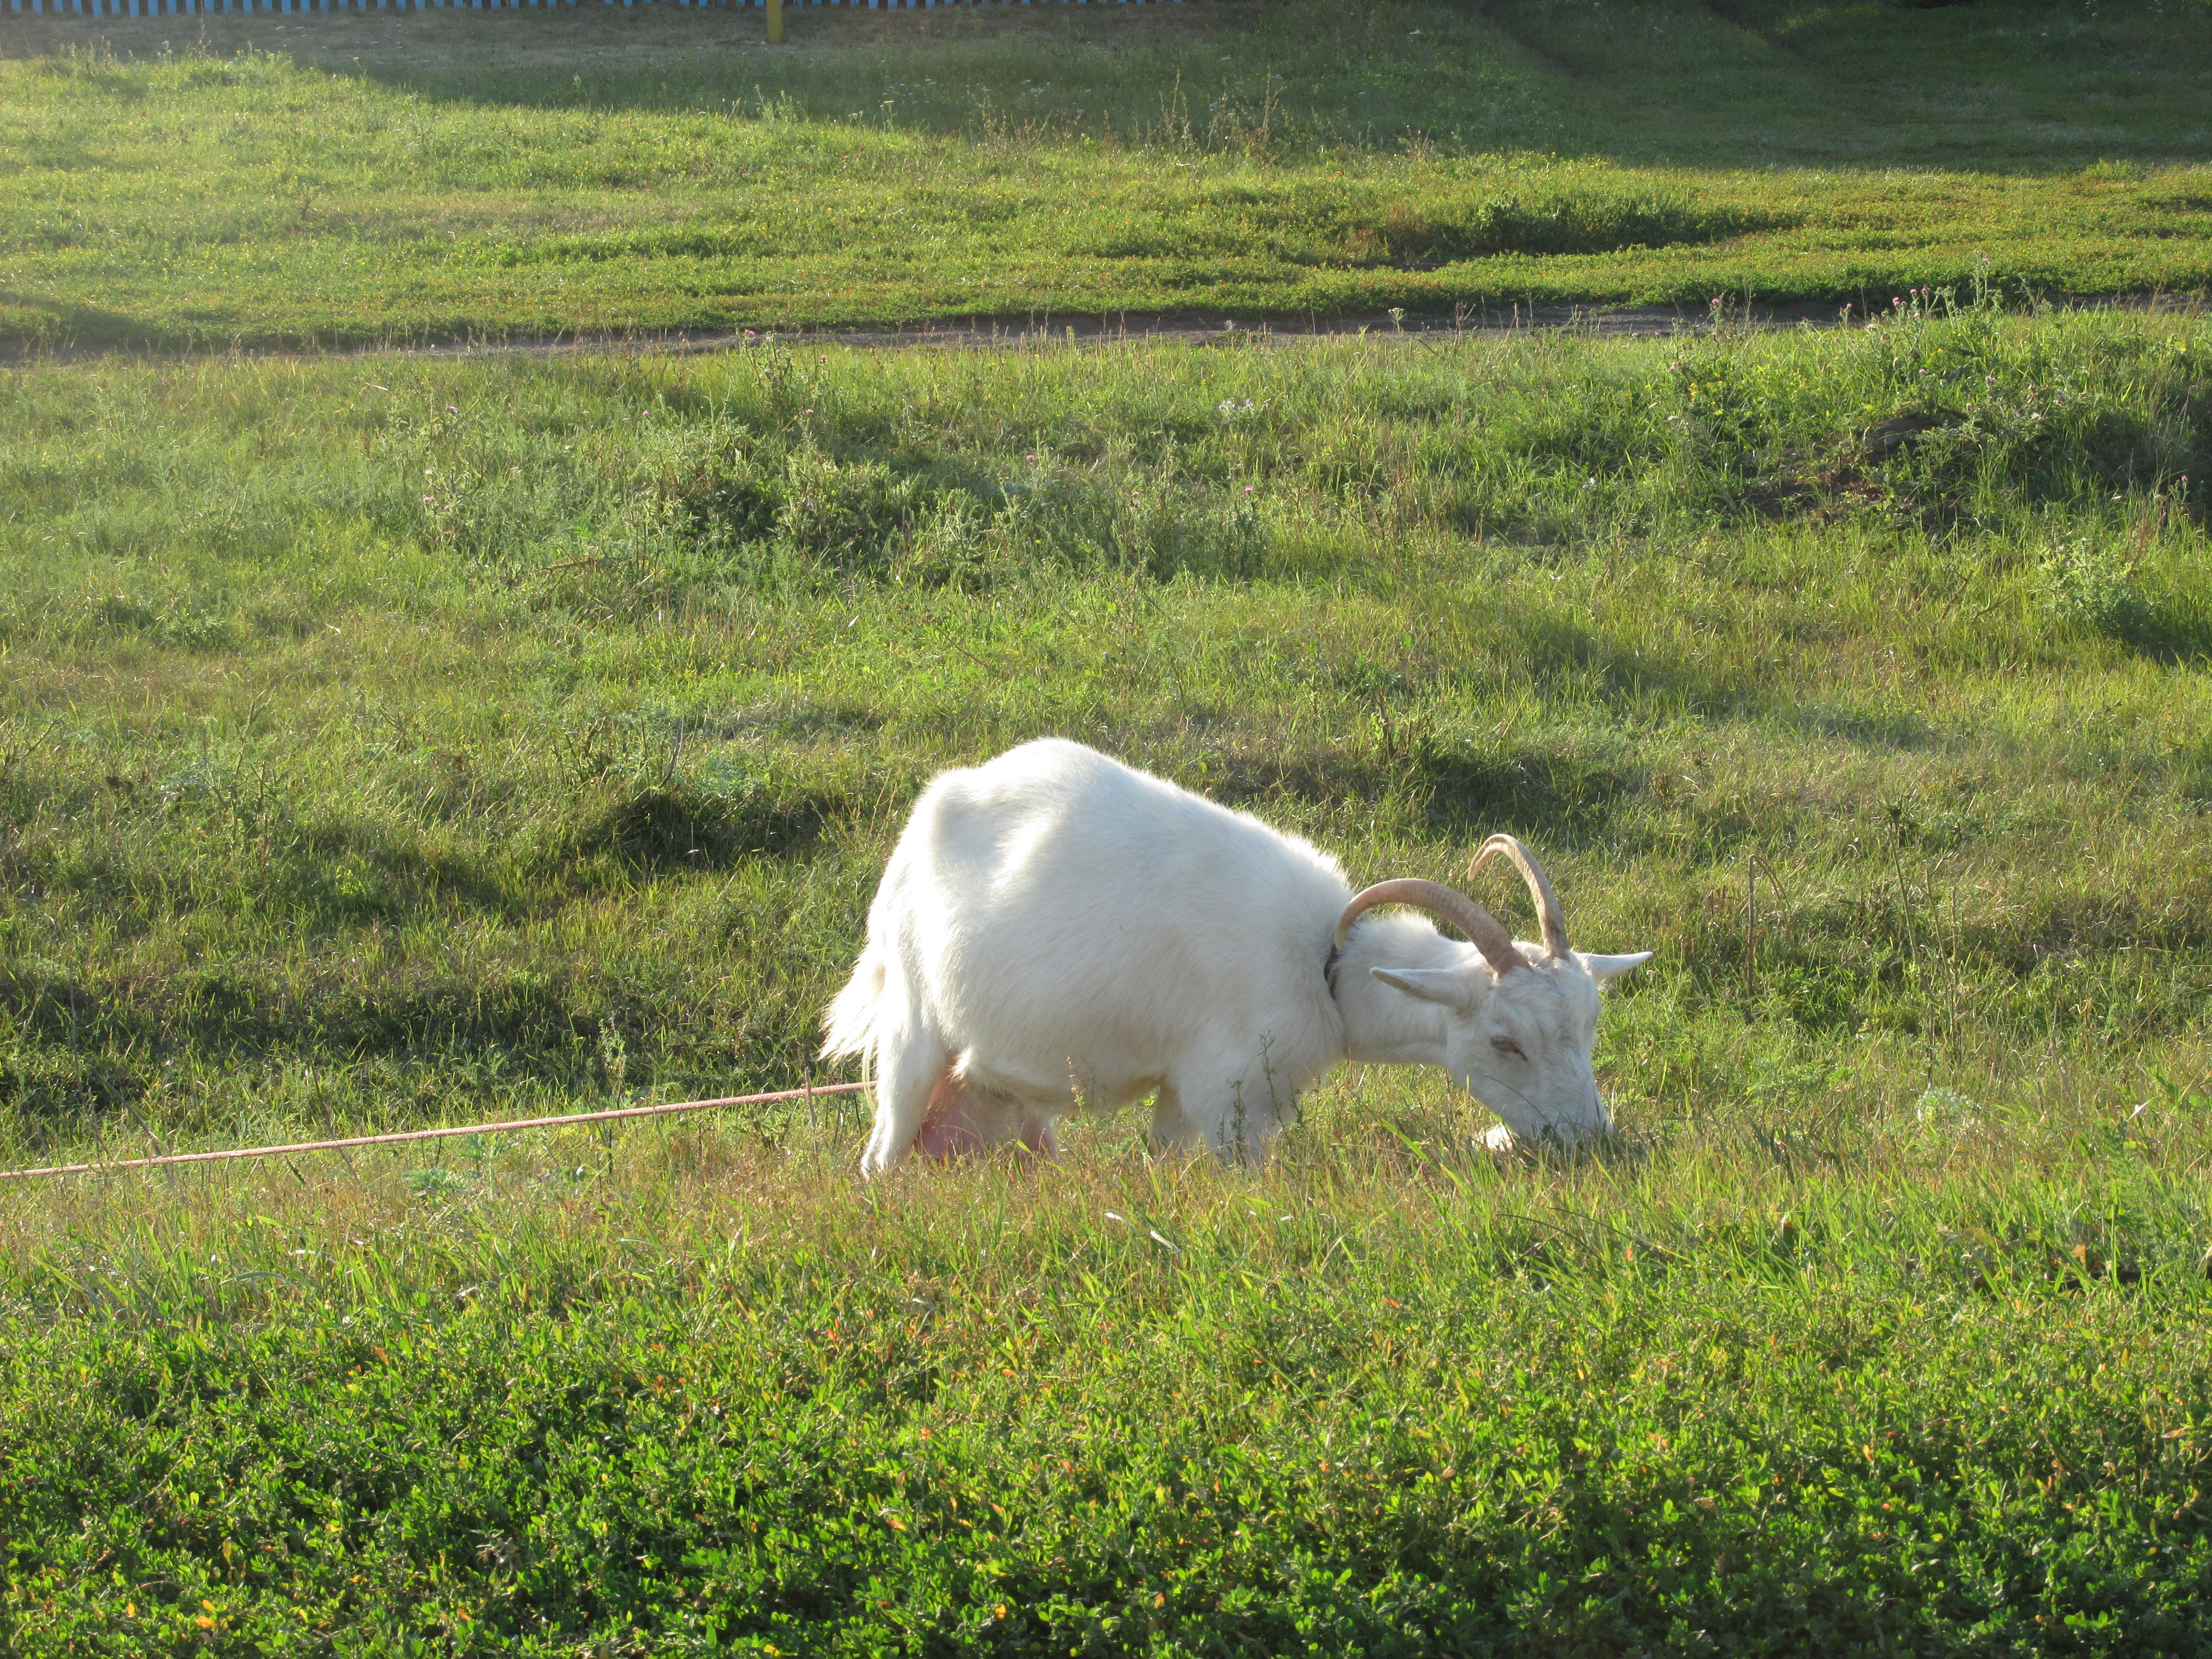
849 1027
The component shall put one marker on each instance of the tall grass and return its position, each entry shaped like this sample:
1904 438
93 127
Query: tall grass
385 739
394 740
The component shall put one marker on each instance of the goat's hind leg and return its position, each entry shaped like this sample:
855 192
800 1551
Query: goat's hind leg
910 1062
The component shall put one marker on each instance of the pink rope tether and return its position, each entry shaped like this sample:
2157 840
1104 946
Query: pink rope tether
812 1092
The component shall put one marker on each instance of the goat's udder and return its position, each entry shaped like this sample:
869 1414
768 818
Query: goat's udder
949 1128
963 1120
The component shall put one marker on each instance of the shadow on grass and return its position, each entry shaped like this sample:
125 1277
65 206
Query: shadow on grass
1679 84
1566 789
2166 630
679 825
1552 649
63 323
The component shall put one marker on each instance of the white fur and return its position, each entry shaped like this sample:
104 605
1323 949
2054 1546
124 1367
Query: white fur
1057 930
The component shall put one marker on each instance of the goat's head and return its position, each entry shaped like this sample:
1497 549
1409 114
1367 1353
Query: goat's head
1520 1021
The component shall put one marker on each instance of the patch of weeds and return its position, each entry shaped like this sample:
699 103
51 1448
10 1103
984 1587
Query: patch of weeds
469 481
2098 588
796 719
952 545
680 825
1943 1113
723 492
1914 826
719 481
1726 408
1817 997
45 1084
2190 770
360 891
851 515
437 1184
180 624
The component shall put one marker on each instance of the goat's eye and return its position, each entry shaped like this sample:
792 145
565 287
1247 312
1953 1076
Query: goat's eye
1506 1045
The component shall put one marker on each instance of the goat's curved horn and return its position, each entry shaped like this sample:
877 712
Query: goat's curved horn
1540 887
1456 907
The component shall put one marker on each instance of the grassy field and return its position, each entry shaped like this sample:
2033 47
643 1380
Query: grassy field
512 174
388 741
394 740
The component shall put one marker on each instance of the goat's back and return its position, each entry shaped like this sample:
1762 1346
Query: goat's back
1055 906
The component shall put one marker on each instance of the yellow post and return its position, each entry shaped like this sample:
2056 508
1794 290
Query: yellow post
775 22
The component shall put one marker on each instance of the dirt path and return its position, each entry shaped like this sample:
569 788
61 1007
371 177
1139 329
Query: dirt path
1192 329
1189 328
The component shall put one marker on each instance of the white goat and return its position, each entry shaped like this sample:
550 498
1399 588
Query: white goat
1057 930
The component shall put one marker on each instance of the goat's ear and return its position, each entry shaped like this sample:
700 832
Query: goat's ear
1447 985
1602 969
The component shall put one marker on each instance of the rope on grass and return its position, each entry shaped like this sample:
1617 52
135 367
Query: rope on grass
812 1092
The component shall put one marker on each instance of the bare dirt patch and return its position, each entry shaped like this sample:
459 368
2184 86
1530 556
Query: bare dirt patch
1183 328
1626 322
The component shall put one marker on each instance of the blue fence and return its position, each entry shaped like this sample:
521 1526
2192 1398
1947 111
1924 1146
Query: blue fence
175 8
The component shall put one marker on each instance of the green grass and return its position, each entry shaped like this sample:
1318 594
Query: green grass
510 174
1377 1400
384 711
395 740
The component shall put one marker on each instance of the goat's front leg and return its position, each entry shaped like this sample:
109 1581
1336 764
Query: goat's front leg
1172 1125
1239 1126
